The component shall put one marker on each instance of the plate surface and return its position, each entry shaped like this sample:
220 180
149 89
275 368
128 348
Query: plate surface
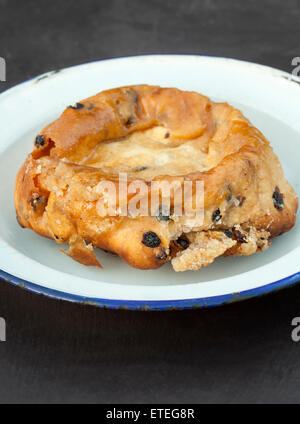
268 97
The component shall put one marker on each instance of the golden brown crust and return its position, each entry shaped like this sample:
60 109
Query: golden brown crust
56 188
116 113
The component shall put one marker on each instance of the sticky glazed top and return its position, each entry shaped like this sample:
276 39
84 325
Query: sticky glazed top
147 131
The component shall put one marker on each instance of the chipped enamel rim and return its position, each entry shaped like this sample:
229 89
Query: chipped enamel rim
154 305
18 268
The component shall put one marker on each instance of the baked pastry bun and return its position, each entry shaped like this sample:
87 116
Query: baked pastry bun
148 134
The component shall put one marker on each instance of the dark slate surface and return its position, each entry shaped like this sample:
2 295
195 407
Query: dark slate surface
62 352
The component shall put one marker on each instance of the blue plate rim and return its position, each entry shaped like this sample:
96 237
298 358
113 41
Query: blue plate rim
153 305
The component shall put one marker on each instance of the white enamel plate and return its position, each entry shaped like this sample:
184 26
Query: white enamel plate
268 97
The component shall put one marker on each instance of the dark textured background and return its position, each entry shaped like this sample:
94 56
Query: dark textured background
62 352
